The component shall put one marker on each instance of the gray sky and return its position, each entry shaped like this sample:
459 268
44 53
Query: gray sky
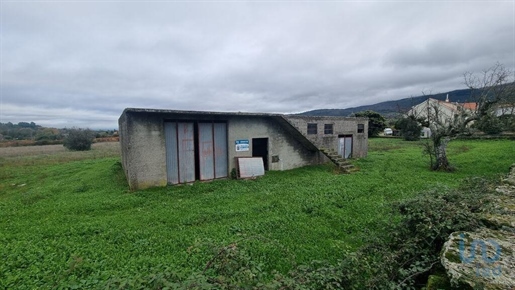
80 63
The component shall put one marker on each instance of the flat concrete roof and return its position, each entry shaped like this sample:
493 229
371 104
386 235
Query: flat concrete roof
182 112
165 111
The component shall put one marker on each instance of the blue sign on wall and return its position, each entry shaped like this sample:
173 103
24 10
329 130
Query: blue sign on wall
242 145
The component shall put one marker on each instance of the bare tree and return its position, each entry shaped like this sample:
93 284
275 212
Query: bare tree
490 87
410 121
443 129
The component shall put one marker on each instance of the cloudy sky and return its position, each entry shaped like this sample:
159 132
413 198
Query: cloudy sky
80 63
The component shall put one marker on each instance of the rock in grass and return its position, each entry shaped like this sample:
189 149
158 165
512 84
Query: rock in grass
482 259
510 179
486 258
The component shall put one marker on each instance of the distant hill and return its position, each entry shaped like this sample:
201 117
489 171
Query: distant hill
392 108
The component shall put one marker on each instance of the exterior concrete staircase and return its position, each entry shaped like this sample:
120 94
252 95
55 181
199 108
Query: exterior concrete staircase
343 164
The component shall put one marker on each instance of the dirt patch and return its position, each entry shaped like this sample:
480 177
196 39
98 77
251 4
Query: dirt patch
52 149
30 150
53 154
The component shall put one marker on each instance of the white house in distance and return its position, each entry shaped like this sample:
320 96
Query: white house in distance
505 109
446 111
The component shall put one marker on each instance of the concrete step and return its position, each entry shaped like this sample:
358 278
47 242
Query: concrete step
346 167
338 159
342 163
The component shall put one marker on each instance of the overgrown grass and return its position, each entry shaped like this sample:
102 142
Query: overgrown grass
69 219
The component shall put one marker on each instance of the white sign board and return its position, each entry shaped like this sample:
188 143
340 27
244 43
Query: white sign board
242 145
250 167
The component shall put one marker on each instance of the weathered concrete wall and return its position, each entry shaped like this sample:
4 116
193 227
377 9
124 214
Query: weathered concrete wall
144 153
360 148
291 153
143 150
124 142
341 126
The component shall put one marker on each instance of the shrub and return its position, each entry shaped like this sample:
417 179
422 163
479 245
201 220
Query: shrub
508 122
490 125
410 128
79 139
406 257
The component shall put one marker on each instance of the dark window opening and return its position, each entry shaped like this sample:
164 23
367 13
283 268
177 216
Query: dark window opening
312 128
361 128
328 128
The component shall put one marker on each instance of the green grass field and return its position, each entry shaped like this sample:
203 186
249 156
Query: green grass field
68 218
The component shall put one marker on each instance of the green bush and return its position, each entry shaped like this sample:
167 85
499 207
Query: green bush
79 139
410 128
508 122
410 253
490 125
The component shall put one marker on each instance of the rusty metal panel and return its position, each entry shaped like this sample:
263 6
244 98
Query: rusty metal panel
186 150
206 156
220 140
172 164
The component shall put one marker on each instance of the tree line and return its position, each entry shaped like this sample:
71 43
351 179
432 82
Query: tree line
31 131
26 134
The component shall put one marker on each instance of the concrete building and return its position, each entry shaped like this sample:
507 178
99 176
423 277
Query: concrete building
161 147
504 109
445 111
